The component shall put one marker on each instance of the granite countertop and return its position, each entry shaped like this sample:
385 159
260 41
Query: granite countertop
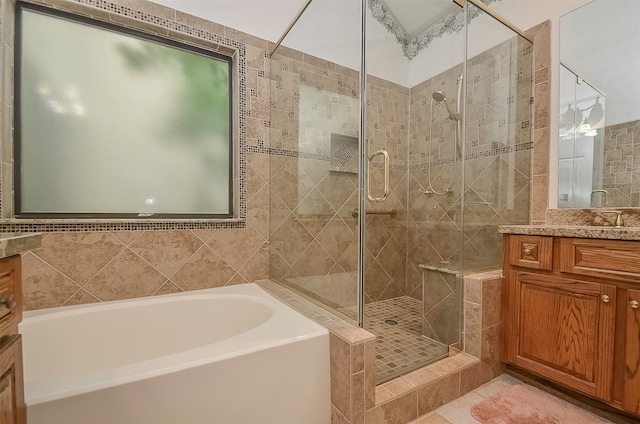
581 231
15 243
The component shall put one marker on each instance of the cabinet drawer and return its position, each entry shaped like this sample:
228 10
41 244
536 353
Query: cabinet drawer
600 258
531 251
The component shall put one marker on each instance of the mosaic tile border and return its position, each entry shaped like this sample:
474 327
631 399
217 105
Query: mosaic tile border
495 150
618 185
305 155
411 47
117 226
238 48
288 153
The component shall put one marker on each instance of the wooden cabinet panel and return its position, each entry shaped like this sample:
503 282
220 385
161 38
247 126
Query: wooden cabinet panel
564 331
12 407
531 251
600 258
577 321
631 393
10 295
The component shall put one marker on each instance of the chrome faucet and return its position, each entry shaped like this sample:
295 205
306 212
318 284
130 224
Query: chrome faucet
604 198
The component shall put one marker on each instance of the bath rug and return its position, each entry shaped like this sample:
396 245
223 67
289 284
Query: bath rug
524 404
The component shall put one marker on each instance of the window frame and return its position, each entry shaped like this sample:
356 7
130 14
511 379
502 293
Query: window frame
130 32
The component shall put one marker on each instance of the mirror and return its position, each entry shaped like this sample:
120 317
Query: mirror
599 112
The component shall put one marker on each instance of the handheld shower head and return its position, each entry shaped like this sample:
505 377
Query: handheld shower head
439 96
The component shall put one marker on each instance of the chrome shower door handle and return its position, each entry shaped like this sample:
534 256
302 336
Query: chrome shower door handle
385 195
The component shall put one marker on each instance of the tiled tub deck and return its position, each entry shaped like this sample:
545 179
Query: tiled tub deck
356 399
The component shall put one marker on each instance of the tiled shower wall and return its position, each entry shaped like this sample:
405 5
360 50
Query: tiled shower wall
90 264
497 145
622 164
313 228
289 117
426 229
497 164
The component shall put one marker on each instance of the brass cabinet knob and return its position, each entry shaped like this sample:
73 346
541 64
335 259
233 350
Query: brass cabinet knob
605 298
634 304
9 302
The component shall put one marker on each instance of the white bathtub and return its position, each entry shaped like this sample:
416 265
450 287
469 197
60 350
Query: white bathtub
225 355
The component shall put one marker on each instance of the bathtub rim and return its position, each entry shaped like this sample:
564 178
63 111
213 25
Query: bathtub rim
289 325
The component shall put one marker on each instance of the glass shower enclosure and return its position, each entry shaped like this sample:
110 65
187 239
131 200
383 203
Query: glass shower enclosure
397 147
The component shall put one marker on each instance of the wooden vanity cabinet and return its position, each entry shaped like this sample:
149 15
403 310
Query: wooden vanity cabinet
12 407
575 322
630 396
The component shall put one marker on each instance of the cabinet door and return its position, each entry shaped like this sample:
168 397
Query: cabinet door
10 295
12 408
565 331
631 396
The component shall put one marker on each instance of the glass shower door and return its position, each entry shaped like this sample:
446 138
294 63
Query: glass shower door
413 238
314 158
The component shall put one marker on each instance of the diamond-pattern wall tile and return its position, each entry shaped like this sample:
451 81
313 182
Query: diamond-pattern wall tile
377 279
299 222
204 270
337 187
42 285
123 264
235 247
314 212
258 211
257 265
81 297
126 276
291 239
166 251
79 255
336 237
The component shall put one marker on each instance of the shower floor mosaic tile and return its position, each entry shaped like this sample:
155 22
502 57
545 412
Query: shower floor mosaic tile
400 346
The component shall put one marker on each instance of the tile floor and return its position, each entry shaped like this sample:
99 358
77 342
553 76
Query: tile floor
400 345
459 410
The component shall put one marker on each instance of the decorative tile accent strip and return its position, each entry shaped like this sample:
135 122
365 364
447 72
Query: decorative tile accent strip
118 226
288 153
495 150
411 47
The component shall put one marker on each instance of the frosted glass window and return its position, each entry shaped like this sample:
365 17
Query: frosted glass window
114 123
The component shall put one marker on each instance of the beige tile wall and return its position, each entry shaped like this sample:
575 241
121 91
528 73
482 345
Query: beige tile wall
496 166
313 232
498 149
111 260
622 164
541 118
91 266
386 238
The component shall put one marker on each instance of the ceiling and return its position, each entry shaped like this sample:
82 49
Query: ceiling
249 15
417 15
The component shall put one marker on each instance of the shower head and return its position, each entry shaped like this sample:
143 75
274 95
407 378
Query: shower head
439 96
